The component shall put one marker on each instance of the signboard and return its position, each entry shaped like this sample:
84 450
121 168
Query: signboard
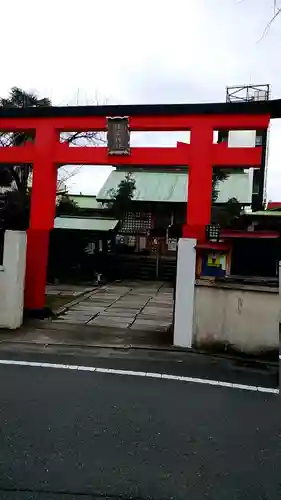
172 245
216 259
118 135
155 245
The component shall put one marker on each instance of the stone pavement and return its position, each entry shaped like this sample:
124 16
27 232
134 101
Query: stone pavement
67 290
132 305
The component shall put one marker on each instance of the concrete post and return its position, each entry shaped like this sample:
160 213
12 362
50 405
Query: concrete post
184 300
12 275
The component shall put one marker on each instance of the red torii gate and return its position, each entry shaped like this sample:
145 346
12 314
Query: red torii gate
47 154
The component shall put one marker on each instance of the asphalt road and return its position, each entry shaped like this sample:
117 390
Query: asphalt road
241 371
80 435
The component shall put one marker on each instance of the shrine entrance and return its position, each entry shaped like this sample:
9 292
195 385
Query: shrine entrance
47 153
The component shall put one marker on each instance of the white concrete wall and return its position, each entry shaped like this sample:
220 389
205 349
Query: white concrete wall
184 299
12 276
246 319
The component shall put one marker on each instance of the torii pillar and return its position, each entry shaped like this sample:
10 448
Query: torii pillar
200 173
42 213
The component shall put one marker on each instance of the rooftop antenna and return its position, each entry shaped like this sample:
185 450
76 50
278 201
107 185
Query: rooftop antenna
250 93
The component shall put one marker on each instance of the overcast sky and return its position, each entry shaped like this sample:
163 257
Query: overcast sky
148 51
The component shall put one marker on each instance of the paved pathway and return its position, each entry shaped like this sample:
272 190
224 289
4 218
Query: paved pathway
67 290
129 305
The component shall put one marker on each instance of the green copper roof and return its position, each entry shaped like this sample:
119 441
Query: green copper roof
85 224
85 201
172 186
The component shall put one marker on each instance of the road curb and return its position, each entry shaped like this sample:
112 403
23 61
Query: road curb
83 345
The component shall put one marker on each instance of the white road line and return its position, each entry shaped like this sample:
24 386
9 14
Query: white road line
162 376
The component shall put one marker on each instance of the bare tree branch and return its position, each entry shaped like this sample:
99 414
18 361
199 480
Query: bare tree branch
16 180
63 176
268 26
83 138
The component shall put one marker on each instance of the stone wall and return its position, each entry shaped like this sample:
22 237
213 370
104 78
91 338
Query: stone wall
12 276
241 317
